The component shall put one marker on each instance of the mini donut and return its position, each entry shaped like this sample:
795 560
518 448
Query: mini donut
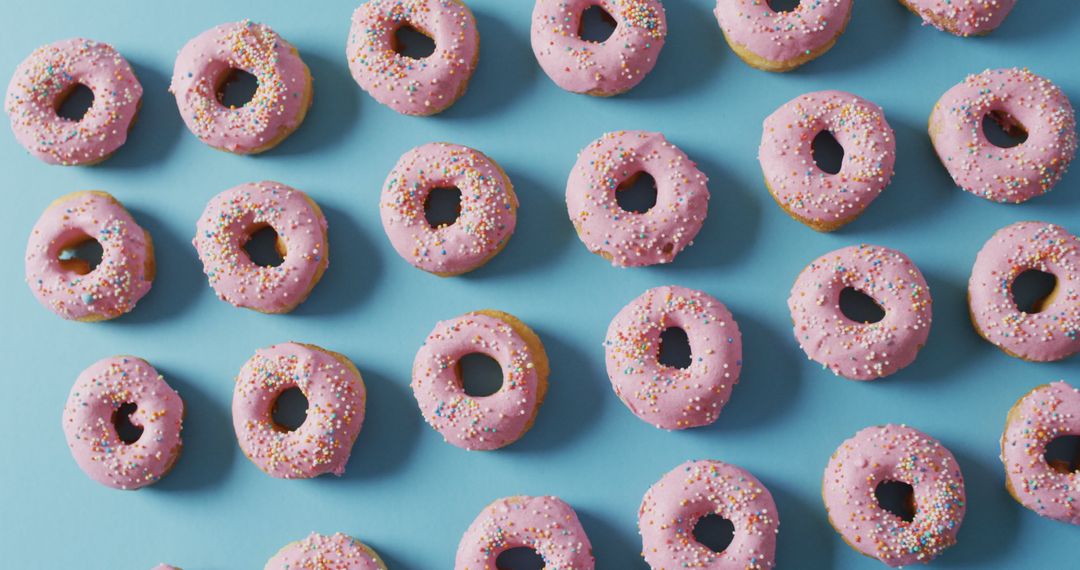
91 414
485 223
861 351
673 506
45 79
962 17
547 525
819 199
229 221
1051 334
408 85
630 239
1021 102
781 41
605 68
666 397
320 552
67 285
894 453
487 422
336 399
1044 414
281 100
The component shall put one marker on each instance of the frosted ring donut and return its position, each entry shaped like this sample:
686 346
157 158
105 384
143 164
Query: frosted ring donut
102 392
548 525
336 400
781 41
962 17
854 350
318 551
667 397
605 68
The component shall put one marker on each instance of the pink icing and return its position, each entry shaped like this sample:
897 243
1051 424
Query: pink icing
813 196
336 400
488 208
228 223
545 524
608 68
962 17
673 506
165 567
280 102
45 78
861 351
321 552
478 423
1025 101
781 37
1050 334
631 239
1044 414
668 397
407 85
900 454
69 288
90 428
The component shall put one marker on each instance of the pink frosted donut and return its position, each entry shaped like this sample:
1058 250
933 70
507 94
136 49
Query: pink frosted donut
487 422
673 506
407 85
781 41
280 102
819 199
91 414
488 208
336 399
165 567
1041 416
962 17
667 397
229 221
894 453
1021 102
45 79
631 239
861 351
1051 334
321 552
67 285
605 68
545 524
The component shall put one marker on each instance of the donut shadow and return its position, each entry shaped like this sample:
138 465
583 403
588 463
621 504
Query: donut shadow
805 535
1029 18
612 547
390 431
157 128
334 111
388 556
863 43
355 267
690 57
991 513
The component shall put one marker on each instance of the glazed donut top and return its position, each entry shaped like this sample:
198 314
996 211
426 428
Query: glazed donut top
548 525
47 75
782 36
321 552
962 17
165 567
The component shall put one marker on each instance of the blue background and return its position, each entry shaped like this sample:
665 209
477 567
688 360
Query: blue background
406 492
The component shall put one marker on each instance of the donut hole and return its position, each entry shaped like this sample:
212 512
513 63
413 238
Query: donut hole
860 307
81 256
237 88
596 25
265 247
637 194
714 532
783 5
128 431
896 497
480 374
1032 290
1063 454
1003 130
442 207
412 43
290 410
520 558
827 152
674 348
74 103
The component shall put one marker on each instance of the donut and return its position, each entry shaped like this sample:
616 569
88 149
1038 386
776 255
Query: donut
861 351
487 422
45 79
101 393
67 285
819 199
319 552
630 239
408 85
547 525
673 506
1051 334
336 399
962 17
281 100
1044 414
774 40
229 221
165 567
484 225
894 453
1021 102
668 397
605 68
